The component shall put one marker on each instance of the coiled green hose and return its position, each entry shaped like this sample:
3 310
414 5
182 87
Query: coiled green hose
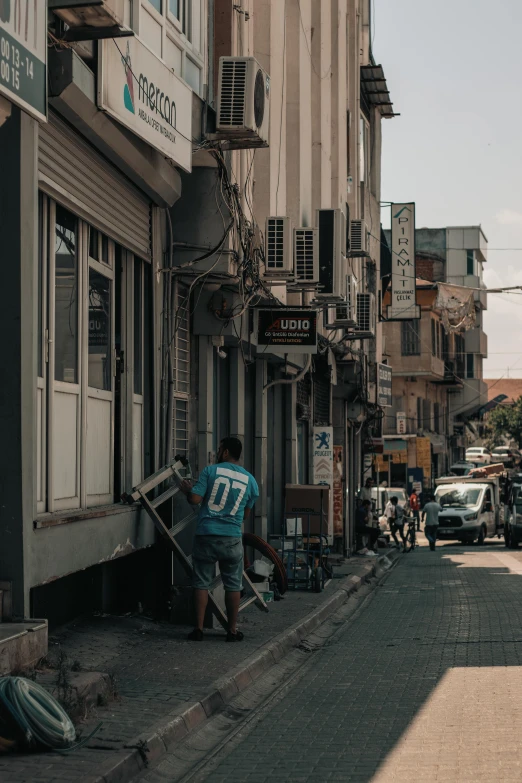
40 718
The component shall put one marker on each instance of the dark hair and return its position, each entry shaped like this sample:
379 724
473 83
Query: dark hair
367 502
369 479
233 446
394 499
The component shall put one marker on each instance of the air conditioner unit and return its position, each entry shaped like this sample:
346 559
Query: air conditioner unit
306 255
346 313
278 247
91 20
366 320
359 239
332 253
243 110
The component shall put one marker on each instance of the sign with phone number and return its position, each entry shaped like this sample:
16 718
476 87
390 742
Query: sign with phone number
23 55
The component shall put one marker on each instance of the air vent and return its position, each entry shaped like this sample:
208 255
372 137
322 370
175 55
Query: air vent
306 255
243 111
278 259
365 325
346 313
359 239
232 93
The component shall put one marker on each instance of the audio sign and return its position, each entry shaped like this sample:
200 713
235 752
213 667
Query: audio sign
287 331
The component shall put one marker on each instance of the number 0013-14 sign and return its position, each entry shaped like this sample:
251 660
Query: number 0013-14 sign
23 54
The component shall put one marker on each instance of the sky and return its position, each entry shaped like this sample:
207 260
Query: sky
454 71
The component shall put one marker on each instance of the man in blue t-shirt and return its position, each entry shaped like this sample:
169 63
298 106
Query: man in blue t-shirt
227 492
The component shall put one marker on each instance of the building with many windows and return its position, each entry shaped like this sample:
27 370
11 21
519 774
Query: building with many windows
162 201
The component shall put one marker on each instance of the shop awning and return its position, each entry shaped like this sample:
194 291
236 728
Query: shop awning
373 83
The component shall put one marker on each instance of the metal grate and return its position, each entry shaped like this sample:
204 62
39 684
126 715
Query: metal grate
181 347
305 254
275 244
365 319
180 427
356 235
232 93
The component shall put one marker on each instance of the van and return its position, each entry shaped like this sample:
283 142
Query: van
470 509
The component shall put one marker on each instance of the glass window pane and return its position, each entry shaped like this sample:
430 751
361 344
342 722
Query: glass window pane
66 298
175 8
157 4
138 328
105 249
94 244
100 363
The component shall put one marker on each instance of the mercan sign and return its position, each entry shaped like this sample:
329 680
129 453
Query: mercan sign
403 293
23 55
138 90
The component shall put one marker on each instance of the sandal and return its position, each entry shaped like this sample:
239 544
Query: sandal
238 636
195 636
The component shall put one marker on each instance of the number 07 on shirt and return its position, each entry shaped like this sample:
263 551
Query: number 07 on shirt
227 489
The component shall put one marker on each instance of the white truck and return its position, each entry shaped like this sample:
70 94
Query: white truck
472 507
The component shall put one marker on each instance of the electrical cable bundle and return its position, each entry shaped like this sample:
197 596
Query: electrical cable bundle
34 719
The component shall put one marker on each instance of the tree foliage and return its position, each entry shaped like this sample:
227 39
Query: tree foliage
505 422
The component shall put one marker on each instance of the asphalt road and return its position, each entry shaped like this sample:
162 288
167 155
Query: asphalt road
423 684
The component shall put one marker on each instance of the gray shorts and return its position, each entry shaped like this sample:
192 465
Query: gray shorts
225 550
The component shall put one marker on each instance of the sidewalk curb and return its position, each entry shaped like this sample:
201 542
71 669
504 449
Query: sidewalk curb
128 763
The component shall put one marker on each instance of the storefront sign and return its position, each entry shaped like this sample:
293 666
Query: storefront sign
323 464
338 493
384 385
424 458
402 425
403 294
287 331
139 91
23 55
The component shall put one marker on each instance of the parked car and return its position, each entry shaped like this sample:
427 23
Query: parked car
478 454
505 455
461 468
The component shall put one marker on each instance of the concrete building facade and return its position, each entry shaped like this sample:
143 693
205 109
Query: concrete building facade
138 270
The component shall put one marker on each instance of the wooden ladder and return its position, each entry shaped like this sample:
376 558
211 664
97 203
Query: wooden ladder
140 492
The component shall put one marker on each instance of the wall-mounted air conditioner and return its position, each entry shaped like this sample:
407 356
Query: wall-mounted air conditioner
243 110
91 20
306 255
332 253
279 260
366 317
359 239
346 312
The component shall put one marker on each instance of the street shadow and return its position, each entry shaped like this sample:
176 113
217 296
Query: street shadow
424 670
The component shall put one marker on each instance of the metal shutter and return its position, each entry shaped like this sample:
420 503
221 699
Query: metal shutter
81 180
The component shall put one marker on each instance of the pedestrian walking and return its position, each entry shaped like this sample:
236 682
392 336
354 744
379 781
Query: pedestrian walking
394 513
227 493
364 526
415 508
430 515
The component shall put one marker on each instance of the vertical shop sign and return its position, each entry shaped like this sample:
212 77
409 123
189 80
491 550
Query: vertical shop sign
323 465
23 55
424 459
338 507
403 294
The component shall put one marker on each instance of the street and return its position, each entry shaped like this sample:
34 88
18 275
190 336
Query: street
422 684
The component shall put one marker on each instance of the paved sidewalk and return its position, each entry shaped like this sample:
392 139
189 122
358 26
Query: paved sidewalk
159 675
422 685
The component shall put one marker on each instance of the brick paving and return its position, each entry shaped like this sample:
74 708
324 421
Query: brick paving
422 685
156 672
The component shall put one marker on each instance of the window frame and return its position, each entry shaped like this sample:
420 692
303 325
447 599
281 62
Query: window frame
470 257
49 456
176 31
410 338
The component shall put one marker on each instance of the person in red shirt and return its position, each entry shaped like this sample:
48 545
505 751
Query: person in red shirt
415 508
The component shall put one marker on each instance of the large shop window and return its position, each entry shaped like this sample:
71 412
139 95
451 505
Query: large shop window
93 349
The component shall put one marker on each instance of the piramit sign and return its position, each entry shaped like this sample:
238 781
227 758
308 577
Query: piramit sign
403 292
142 93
